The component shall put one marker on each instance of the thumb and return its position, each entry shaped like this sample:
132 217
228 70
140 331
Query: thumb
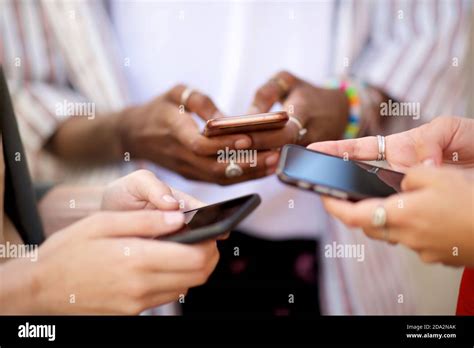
420 177
429 152
143 223
144 185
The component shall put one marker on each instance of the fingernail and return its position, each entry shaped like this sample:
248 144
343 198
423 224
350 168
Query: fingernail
169 199
173 218
271 160
429 162
243 143
270 171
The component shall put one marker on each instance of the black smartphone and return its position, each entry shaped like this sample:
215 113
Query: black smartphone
213 220
335 176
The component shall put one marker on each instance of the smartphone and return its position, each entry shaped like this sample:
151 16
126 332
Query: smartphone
213 220
245 123
334 176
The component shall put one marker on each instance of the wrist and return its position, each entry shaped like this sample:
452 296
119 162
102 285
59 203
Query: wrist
20 279
115 125
123 128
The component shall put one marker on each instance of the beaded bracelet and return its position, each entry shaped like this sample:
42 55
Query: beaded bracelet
353 122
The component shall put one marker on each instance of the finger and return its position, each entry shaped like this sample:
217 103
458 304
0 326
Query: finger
274 139
163 256
421 177
362 149
430 139
142 223
186 202
387 234
159 298
144 185
172 282
272 91
224 236
188 134
360 214
210 170
197 102
251 162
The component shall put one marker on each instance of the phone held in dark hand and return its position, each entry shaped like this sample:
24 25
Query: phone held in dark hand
245 123
334 176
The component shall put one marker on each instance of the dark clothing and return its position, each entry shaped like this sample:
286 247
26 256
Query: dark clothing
262 277
19 198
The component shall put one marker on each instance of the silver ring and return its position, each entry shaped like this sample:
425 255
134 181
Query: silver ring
302 131
233 170
185 95
379 217
381 145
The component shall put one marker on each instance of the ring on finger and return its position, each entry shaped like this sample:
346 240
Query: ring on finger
379 217
301 130
185 96
233 170
381 148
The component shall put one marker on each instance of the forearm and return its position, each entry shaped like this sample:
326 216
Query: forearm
79 139
65 205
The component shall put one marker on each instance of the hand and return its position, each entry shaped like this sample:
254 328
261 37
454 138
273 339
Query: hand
160 132
105 265
323 112
445 140
139 190
142 190
433 217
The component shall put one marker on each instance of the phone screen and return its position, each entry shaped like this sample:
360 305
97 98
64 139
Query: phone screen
359 180
222 215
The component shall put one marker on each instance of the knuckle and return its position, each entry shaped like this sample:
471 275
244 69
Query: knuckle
178 87
428 257
203 103
102 217
137 290
147 222
200 260
351 220
134 307
216 171
207 103
412 242
284 73
223 181
143 172
195 146
263 95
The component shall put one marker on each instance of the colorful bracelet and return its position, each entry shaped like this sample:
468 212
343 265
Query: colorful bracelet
353 123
